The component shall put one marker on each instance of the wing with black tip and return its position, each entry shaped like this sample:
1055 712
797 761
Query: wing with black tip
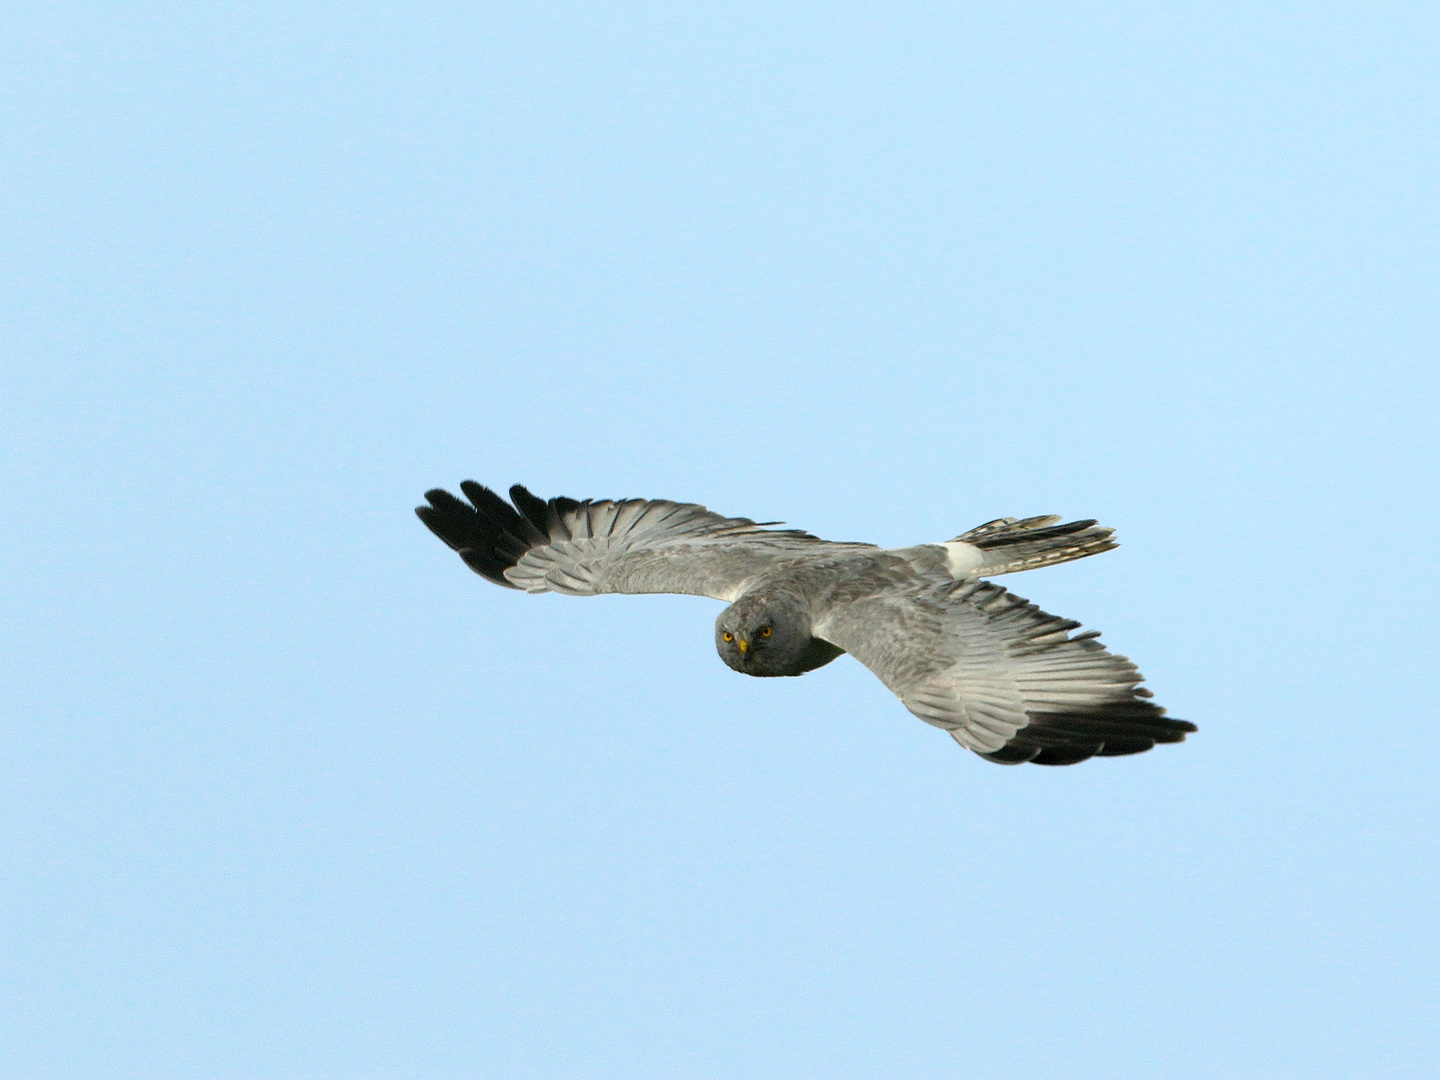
610 545
1004 678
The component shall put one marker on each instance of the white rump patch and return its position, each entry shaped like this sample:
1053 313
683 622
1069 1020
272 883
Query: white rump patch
963 559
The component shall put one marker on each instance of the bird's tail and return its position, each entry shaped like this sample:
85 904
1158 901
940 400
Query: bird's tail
1007 545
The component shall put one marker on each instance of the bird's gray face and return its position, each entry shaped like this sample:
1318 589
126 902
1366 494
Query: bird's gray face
759 635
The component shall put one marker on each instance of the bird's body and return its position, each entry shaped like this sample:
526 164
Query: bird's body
1002 677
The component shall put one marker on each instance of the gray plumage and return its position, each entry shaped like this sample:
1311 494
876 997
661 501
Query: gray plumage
1005 679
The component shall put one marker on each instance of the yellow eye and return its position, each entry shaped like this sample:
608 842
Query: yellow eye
728 636
764 631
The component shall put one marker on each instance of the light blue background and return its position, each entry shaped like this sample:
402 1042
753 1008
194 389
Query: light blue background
289 793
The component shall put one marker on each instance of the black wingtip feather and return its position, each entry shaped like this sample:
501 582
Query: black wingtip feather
486 565
1063 755
448 518
1123 727
489 534
535 510
1011 754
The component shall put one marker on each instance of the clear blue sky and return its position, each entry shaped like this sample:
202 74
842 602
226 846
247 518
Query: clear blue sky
288 793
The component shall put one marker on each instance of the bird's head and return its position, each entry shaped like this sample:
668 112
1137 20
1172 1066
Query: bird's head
764 634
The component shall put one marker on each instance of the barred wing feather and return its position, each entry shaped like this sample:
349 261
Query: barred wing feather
608 545
1004 678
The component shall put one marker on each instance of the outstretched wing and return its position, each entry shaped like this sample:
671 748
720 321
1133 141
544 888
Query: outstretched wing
1004 678
610 546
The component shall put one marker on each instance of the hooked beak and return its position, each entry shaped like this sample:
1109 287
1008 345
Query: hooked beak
744 646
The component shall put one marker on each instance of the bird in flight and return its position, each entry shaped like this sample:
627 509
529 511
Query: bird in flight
1004 678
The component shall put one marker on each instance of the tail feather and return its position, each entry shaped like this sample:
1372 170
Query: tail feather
1008 545
1006 525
